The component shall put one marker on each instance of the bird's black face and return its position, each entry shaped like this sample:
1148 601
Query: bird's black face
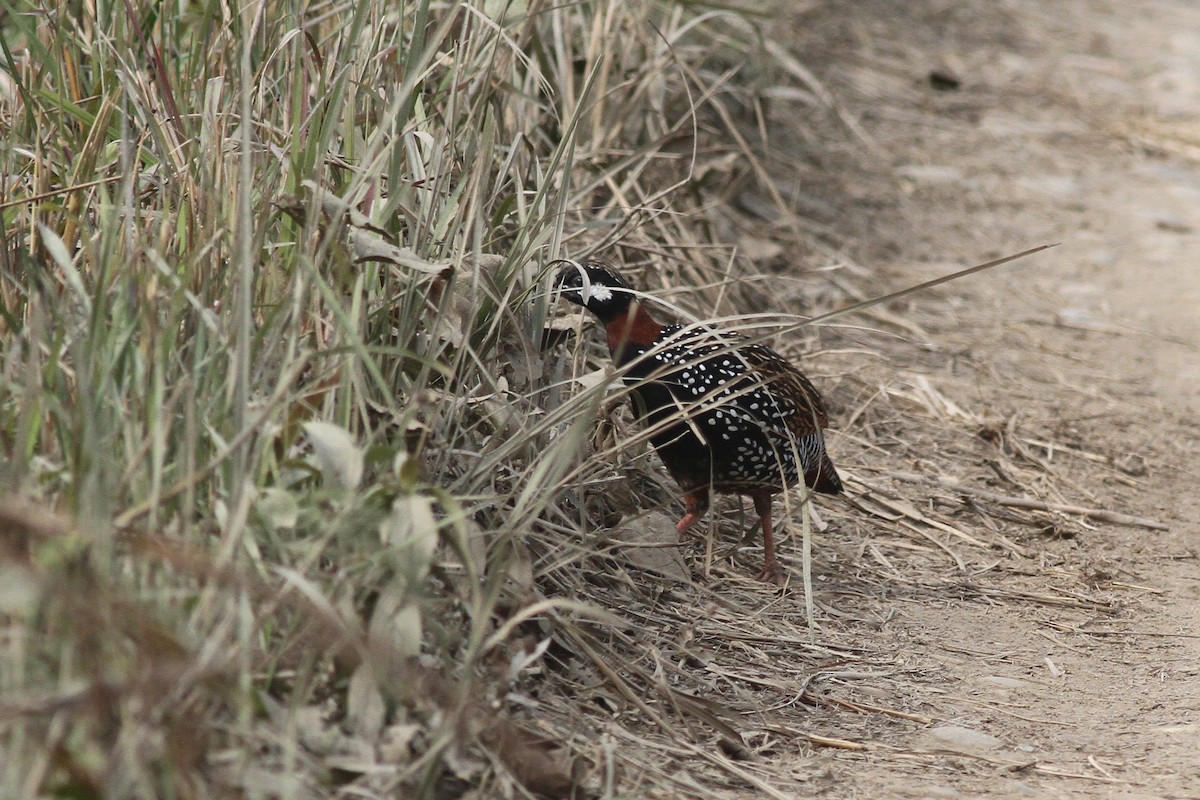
596 288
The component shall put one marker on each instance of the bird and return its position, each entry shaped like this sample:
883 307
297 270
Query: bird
725 414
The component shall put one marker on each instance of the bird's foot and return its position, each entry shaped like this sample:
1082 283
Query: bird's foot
771 573
688 521
695 503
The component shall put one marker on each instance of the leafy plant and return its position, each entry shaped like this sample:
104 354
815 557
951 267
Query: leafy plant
275 349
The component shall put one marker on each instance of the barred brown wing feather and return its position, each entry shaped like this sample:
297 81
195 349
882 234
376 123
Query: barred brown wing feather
789 385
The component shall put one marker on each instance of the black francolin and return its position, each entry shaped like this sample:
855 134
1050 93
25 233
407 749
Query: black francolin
725 415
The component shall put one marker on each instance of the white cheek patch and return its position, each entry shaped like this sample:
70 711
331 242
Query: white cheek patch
597 292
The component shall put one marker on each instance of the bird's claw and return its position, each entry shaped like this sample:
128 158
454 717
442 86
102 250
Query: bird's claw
771 574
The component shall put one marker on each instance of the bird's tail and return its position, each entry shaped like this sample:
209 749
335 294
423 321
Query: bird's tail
822 477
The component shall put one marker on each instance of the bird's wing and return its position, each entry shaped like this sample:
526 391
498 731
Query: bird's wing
681 349
790 386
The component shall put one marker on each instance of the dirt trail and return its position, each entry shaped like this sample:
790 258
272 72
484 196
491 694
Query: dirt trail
1079 126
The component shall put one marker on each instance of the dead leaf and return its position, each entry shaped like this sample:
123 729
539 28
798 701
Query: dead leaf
759 250
541 766
365 709
654 546
395 744
367 241
277 508
338 458
412 530
366 245
596 377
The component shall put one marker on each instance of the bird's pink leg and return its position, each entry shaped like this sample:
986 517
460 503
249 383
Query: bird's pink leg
770 571
695 503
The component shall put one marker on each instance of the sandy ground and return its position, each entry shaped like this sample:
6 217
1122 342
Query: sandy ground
1076 673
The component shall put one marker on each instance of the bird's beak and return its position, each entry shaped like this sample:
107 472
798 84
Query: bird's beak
568 273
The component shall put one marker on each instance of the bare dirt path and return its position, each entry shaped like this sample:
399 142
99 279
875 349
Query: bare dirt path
1079 123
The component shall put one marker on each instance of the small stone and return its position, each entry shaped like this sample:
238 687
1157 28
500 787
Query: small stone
1173 223
1058 186
943 80
956 737
930 173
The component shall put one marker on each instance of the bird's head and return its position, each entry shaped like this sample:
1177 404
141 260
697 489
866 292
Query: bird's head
597 288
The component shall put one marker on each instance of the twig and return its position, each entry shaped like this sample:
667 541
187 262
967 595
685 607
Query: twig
992 706
1093 632
906 510
829 741
1005 764
867 708
1067 600
962 273
1100 514
684 704
817 739
1137 587
37 198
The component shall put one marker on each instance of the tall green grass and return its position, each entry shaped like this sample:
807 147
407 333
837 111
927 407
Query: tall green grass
274 350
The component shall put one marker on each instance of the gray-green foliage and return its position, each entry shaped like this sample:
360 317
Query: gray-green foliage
272 316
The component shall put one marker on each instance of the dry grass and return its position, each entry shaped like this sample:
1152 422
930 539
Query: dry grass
300 425
307 496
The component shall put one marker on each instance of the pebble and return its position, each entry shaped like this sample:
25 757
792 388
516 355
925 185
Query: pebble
959 738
